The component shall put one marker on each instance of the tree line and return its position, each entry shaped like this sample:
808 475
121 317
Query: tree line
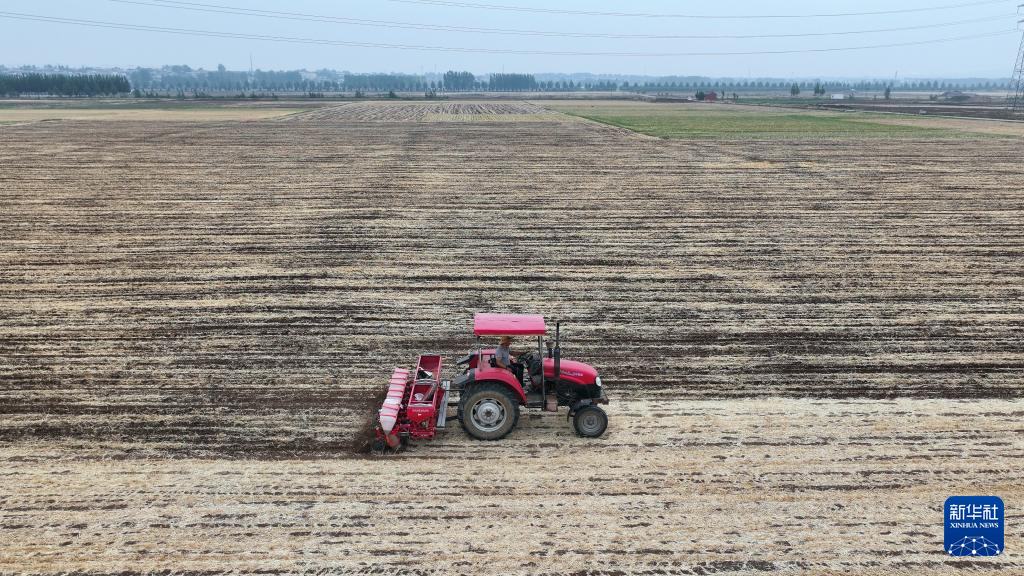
184 79
187 79
451 81
512 82
64 84
384 82
816 87
460 81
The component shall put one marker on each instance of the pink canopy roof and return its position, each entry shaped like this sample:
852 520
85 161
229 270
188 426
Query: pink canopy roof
510 324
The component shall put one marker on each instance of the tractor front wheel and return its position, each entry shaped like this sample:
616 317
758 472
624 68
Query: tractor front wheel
488 411
590 421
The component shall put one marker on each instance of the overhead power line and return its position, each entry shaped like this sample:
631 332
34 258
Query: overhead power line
305 17
512 8
424 48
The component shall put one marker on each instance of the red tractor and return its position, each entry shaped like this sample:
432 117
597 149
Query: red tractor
489 396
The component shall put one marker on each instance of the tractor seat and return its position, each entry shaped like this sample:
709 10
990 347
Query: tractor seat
536 368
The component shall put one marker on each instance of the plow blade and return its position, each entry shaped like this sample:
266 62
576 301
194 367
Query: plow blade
391 410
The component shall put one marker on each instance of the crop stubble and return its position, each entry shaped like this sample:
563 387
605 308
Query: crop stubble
429 111
229 291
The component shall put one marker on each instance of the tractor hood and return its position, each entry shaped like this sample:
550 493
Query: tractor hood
572 371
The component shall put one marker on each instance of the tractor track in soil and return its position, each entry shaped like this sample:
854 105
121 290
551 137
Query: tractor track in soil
799 338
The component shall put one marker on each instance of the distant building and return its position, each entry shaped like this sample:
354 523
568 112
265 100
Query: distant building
711 96
956 95
838 96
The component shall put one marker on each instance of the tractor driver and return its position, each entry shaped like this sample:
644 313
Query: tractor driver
503 358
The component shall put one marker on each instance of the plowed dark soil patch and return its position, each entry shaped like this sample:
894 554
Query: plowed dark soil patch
367 405
808 344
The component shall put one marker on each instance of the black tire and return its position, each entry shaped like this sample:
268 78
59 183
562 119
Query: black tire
488 411
590 421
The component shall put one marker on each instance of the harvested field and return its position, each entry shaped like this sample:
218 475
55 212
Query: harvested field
801 336
193 114
406 111
681 487
973 125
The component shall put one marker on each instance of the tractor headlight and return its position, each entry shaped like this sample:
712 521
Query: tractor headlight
598 381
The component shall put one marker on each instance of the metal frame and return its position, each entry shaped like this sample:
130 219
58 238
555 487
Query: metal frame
540 356
543 383
1016 92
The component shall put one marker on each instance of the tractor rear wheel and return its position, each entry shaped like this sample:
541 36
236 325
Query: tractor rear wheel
590 421
488 411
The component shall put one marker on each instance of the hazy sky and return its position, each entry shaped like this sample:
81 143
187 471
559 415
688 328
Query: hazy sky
32 42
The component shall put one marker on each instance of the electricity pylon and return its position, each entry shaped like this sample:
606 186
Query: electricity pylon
1016 94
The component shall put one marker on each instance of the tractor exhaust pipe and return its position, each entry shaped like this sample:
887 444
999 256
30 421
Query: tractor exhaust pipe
558 353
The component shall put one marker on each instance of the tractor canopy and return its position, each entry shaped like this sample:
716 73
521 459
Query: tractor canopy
508 324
